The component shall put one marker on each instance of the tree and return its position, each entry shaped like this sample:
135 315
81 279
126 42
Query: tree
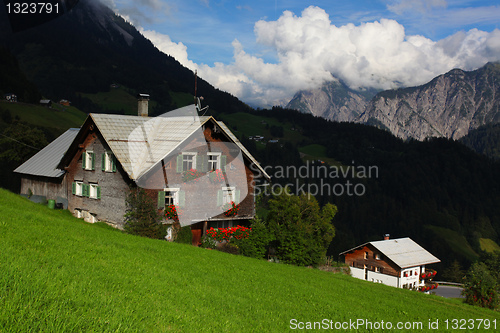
480 287
454 273
257 243
142 217
302 230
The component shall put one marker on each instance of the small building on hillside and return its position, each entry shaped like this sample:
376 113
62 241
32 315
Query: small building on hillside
192 165
41 180
64 102
46 102
400 263
10 97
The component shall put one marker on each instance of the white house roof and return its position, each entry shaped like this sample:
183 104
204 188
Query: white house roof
44 163
404 252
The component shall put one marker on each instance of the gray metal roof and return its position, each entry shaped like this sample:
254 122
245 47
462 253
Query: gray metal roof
404 252
44 163
139 143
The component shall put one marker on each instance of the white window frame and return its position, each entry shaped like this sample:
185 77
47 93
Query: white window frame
88 159
93 191
228 194
214 165
174 197
79 188
108 161
193 161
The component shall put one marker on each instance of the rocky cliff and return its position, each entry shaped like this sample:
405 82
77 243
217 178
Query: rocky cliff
449 106
334 101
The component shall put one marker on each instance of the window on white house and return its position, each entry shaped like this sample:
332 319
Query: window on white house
214 161
108 162
88 160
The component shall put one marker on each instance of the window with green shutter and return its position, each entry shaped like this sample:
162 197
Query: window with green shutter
84 160
223 162
73 188
103 161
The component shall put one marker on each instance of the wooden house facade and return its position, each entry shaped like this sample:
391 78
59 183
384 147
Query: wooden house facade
193 163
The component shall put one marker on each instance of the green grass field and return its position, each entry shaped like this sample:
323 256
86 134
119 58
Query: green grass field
59 274
115 99
59 117
246 124
457 242
488 245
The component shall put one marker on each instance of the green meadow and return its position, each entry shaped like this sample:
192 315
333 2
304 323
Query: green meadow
60 274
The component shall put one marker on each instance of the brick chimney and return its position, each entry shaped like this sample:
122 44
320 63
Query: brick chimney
142 105
386 236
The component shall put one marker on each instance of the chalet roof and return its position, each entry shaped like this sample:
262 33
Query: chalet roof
44 163
404 252
139 143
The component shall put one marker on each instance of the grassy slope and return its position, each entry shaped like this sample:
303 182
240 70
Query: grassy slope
250 125
456 242
488 245
58 117
61 274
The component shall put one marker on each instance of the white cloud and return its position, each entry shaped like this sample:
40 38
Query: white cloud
310 50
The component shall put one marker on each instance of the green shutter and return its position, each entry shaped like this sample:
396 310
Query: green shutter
85 190
237 197
223 161
179 164
113 163
219 198
84 160
182 199
73 187
103 161
93 161
98 192
161 199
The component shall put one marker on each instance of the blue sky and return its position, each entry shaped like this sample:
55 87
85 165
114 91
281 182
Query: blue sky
263 51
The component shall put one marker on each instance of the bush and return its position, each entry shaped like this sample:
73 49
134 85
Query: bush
480 287
229 248
302 230
184 235
142 217
208 242
257 243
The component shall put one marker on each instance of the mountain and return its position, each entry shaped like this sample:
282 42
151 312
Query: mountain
333 101
484 140
449 106
90 48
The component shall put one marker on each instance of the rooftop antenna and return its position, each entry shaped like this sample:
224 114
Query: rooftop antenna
197 100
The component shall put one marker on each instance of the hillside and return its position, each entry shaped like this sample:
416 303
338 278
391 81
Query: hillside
80 277
51 57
